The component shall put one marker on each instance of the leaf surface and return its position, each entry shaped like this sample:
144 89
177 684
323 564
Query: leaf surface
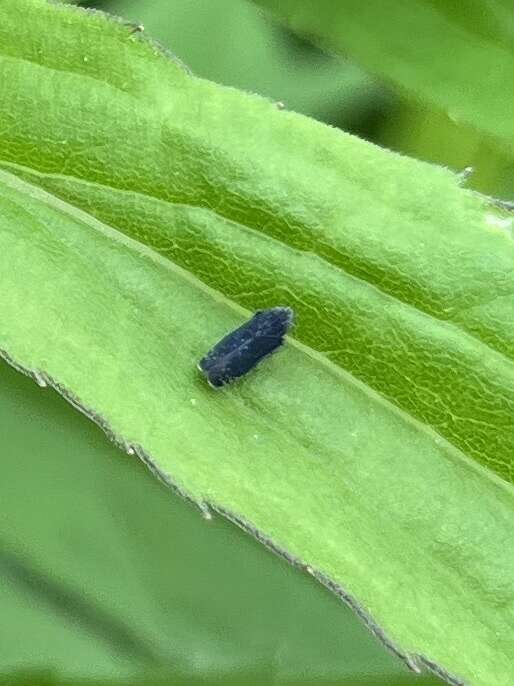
249 52
110 581
370 449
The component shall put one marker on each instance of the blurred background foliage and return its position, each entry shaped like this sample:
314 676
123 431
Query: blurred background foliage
235 43
88 523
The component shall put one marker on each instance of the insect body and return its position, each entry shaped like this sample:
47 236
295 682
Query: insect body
241 350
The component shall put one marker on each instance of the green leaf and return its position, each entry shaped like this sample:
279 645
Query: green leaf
247 51
458 58
109 579
355 451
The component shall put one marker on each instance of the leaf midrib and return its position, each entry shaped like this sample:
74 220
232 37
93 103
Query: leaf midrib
452 325
321 358
342 263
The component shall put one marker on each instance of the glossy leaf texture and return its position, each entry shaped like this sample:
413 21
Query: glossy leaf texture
376 450
456 58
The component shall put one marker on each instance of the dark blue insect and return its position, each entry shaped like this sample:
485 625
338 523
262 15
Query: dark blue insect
241 350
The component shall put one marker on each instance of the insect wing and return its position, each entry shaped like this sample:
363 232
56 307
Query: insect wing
238 352
225 347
